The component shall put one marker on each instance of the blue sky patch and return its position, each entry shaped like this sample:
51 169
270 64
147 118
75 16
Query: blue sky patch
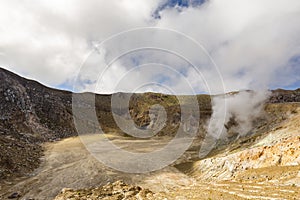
178 4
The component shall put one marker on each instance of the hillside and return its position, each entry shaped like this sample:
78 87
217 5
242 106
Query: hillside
32 115
265 165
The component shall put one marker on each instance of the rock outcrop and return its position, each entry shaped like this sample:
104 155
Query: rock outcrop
110 191
284 96
277 147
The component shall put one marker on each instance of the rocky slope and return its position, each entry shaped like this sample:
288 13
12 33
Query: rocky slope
265 165
31 114
279 146
31 111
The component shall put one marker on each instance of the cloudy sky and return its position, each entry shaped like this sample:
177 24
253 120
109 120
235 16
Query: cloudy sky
192 46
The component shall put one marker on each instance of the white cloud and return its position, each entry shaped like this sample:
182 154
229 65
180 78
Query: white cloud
48 40
252 42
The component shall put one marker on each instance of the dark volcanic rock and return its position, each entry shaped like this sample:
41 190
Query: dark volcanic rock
17 157
284 96
30 113
29 107
14 195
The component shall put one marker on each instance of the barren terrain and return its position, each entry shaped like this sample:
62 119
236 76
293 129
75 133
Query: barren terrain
41 152
268 169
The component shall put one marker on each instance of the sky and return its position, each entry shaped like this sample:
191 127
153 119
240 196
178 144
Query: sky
174 46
